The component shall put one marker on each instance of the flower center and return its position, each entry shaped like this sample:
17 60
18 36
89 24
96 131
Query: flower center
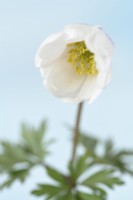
81 59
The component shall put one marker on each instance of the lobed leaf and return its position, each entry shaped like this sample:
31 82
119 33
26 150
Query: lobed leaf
56 175
48 190
105 177
85 196
16 160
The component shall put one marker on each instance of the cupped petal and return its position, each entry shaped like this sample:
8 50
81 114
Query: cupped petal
77 32
99 42
104 66
88 91
103 63
104 78
51 49
61 78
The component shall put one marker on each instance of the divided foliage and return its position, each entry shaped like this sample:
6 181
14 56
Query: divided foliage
91 172
67 186
121 160
16 160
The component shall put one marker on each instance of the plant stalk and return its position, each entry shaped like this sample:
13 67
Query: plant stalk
76 131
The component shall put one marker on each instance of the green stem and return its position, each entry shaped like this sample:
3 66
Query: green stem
76 131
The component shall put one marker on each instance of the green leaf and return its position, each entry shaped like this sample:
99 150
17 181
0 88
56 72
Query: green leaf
90 143
33 139
20 175
6 183
12 154
67 196
108 147
99 191
16 160
105 177
85 196
117 159
110 157
57 176
49 190
80 166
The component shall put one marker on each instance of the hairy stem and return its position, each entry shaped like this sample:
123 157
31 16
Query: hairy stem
76 131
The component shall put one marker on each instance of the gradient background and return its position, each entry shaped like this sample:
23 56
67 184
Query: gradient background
24 24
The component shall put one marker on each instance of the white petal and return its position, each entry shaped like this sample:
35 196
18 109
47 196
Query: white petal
104 78
104 44
99 42
51 49
61 79
103 63
77 32
89 90
96 93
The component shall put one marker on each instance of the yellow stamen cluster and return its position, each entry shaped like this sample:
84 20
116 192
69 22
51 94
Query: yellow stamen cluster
81 59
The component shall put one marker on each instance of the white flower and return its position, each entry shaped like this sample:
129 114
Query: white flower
76 63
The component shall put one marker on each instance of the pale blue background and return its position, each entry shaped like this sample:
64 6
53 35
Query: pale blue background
24 24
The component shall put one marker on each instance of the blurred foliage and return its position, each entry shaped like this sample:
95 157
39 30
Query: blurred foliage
91 171
16 160
110 156
68 186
